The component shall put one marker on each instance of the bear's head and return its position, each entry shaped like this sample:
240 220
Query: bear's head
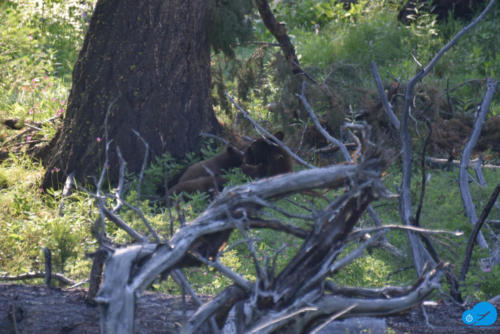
259 151
254 171
234 157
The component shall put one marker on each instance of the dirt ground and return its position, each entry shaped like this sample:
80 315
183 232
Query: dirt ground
442 318
37 309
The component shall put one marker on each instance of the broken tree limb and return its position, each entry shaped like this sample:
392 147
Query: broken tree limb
275 140
278 30
420 254
316 122
219 305
345 153
438 161
374 306
475 232
57 276
383 96
115 290
463 180
117 294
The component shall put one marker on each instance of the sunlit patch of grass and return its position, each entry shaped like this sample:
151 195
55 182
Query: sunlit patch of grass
30 221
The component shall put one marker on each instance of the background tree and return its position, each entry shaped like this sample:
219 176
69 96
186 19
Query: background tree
152 59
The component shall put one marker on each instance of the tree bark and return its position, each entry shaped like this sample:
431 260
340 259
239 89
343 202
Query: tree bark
153 57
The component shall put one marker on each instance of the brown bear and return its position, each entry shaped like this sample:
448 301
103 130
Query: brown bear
254 171
231 157
266 159
207 184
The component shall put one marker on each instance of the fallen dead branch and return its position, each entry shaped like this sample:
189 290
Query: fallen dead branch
463 178
443 162
39 274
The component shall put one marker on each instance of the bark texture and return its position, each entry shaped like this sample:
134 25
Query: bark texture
153 57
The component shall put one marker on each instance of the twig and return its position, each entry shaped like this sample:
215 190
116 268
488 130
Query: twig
422 168
260 43
276 208
385 101
100 205
464 83
15 137
235 277
478 171
121 180
77 285
467 151
475 232
432 160
181 279
278 226
31 142
57 276
357 233
278 30
335 267
272 270
14 320
123 225
325 134
209 135
276 320
48 266
226 299
261 273
144 220
144 164
101 232
68 185
302 137
268 134
33 127
426 317
420 254
333 317
338 143
448 98
400 270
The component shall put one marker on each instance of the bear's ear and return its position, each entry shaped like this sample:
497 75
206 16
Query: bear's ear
280 135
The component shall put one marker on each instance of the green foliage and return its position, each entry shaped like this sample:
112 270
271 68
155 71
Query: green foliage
371 33
477 51
482 285
442 209
367 271
313 14
29 221
39 43
154 176
229 23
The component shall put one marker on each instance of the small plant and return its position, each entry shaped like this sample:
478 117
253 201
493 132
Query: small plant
481 285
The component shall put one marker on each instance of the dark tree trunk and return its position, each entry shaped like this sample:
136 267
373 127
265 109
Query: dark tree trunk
154 57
